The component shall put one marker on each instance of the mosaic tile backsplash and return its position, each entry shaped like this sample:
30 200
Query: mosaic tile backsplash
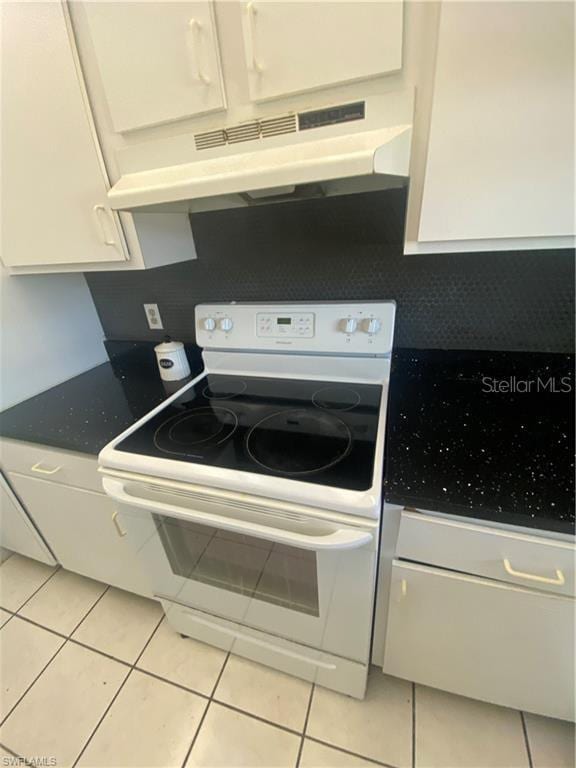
350 248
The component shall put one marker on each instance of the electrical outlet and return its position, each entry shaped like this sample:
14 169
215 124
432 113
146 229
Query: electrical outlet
153 317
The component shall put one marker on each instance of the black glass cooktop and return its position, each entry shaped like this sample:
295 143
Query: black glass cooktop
314 431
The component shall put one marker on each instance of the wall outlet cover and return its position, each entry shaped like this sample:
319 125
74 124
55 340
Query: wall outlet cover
153 317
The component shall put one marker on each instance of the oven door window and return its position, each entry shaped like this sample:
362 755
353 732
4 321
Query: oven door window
273 573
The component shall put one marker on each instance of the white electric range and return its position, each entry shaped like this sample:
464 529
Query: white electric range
253 495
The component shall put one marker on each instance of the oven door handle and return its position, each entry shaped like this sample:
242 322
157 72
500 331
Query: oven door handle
341 538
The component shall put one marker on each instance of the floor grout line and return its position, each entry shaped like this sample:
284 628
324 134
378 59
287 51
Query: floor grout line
83 619
103 716
200 724
217 683
132 667
11 751
54 572
349 752
50 660
305 726
526 740
210 700
413 725
260 719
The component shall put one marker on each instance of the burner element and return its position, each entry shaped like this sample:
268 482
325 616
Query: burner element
336 398
298 442
200 427
222 389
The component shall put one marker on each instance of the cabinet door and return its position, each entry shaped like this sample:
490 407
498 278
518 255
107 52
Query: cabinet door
17 533
79 527
298 46
159 61
501 148
54 201
482 639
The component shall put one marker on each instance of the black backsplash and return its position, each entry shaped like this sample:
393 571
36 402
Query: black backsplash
350 248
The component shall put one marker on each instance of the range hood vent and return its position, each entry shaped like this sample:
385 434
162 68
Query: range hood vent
335 146
276 126
250 131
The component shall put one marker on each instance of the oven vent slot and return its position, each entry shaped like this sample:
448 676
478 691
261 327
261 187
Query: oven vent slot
206 499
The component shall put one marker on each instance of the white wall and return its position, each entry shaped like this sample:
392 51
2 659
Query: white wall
49 332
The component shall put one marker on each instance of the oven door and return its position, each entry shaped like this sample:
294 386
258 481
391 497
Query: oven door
301 574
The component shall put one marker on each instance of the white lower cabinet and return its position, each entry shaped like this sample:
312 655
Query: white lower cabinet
17 532
81 530
482 638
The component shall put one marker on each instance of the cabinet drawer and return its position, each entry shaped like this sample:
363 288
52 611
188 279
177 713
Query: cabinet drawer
530 561
482 639
80 530
51 464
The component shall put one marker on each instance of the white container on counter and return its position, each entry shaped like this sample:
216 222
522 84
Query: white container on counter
172 361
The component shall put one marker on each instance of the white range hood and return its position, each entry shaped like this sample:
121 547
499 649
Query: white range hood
384 151
269 158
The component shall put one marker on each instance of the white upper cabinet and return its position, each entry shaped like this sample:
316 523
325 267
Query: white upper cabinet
500 160
159 61
54 201
299 46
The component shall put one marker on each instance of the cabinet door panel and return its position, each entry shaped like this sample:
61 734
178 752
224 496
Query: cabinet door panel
17 533
54 201
501 148
159 61
298 46
481 639
78 526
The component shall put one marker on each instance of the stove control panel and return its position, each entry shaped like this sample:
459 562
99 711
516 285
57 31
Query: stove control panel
287 325
344 328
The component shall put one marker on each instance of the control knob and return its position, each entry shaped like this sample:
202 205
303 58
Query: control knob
372 325
348 324
225 324
209 323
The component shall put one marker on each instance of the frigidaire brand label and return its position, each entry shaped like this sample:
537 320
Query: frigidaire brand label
166 363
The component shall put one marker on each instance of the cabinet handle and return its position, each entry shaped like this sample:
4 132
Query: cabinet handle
117 525
401 592
195 28
41 471
559 579
98 210
257 66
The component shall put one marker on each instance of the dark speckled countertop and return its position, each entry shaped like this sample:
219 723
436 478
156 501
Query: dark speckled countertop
86 412
453 445
483 434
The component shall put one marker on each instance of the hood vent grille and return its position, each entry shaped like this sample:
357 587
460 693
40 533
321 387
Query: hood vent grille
256 129
210 139
276 126
243 132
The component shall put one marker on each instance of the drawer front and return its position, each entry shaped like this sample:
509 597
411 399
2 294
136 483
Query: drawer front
302 661
478 638
51 464
81 531
529 561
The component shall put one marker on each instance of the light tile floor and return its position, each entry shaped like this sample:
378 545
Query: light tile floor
93 676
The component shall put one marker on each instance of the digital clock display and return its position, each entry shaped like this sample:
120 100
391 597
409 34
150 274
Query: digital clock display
284 320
